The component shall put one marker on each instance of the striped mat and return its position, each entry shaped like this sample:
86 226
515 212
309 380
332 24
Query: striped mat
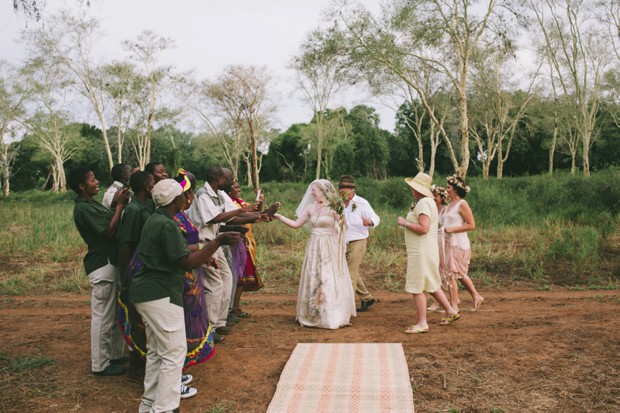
357 377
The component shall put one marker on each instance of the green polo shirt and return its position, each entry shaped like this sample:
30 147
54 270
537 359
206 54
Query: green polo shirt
161 246
134 216
92 220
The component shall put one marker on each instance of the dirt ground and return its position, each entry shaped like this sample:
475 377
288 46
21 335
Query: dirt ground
524 351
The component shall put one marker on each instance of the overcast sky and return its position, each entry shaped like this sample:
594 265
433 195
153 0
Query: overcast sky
209 35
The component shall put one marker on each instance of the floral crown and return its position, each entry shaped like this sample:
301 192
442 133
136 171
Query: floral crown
457 182
441 191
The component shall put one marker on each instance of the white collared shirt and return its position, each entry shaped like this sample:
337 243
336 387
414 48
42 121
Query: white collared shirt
358 209
207 205
109 194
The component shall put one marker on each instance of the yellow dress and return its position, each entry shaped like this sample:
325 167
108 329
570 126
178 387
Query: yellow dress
422 251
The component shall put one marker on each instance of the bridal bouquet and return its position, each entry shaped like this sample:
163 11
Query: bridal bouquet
336 202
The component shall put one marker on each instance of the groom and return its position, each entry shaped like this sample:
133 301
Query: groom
360 216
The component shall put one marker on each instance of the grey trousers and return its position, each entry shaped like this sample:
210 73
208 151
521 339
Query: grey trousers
106 340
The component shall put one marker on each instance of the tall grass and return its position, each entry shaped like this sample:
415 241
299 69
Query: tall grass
542 229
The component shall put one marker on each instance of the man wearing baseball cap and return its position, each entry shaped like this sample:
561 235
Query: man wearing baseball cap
157 292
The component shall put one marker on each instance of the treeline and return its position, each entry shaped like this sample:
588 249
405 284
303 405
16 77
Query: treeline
367 151
467 101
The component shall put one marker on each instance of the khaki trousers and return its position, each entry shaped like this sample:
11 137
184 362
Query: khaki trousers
167 348
106 340
355 254
218 289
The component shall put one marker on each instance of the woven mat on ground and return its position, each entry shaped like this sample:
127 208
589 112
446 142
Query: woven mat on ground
357 377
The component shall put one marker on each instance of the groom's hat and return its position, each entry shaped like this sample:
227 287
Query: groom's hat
346 181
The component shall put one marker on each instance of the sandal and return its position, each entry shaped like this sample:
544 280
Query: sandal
449 320
416 330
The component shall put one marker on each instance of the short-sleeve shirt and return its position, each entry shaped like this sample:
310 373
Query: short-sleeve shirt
207 205
108 196
134 216
161 246
92 219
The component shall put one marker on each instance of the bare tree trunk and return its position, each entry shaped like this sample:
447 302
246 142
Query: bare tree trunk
586 139
319 145
554 140
500 160
464 161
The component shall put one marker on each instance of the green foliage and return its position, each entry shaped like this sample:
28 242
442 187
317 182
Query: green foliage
579 246
522 233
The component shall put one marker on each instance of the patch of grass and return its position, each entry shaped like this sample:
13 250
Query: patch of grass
393 282
41 279
226 407
609 287
544 287
482 278
23 364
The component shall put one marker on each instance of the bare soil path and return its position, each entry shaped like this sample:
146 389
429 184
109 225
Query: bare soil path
524 351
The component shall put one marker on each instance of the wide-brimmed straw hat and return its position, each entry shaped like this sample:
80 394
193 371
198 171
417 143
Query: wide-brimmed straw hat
421 183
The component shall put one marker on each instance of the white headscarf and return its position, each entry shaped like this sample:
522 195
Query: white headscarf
326 187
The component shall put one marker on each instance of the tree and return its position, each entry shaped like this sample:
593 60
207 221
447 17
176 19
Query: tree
411 34
497 110
285 160
241 96
320 74
68 40
579 56
148 85
370 145
120 85
12 97
50 85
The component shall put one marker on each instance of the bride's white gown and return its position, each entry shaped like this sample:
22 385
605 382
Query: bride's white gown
326 298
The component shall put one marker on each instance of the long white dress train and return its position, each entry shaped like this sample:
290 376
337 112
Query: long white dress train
326 298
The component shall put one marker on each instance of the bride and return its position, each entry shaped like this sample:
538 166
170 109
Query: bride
325 297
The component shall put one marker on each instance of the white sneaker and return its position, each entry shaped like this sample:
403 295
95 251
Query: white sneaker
186 379
187 391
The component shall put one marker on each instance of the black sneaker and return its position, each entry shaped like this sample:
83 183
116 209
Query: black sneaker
112 370
186 379
216 337
223 330
187 391
366 304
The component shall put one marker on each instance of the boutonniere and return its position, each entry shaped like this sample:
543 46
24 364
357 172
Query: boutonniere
353 207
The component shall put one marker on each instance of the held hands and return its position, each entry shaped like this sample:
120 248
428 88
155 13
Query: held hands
367 222
272 209
401 221
250 208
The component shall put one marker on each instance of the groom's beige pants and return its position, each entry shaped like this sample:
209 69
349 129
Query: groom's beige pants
355 254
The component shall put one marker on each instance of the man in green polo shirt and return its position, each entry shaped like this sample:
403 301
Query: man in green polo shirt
157 292
97 225
134 217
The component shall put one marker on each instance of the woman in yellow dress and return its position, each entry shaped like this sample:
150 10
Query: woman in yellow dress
423 254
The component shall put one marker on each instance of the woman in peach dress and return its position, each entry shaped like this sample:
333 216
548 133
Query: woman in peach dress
458 219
